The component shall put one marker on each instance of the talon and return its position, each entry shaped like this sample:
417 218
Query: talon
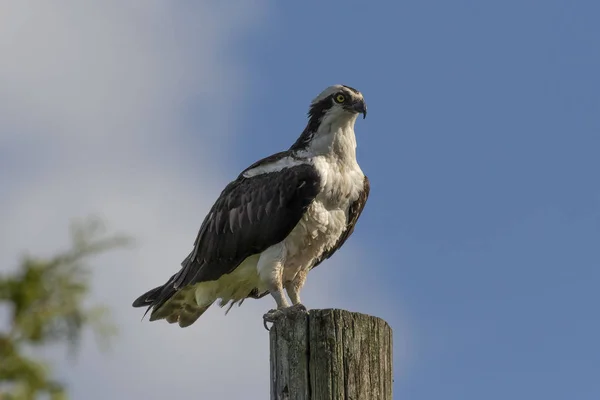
299 307
271 316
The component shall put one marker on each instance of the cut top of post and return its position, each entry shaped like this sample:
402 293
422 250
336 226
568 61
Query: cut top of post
330 354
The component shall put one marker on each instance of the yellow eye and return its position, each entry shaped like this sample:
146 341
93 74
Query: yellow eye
340 98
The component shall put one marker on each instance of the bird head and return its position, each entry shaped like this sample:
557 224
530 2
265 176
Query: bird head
338 105
338 101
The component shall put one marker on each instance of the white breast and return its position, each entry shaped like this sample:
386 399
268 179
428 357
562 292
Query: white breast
326 217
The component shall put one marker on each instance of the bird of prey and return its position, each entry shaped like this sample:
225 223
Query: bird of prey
282 216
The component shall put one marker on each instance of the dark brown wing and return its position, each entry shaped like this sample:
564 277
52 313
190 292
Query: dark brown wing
250 215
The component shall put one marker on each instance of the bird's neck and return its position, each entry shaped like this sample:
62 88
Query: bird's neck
334 139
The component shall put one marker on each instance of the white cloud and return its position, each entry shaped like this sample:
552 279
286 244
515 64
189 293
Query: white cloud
92 94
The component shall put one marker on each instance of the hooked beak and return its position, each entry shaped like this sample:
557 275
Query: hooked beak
360 107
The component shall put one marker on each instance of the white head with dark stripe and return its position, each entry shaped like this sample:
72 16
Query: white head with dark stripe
338 101
337 106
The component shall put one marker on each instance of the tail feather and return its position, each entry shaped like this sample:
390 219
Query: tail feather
147 298
189 314
171 304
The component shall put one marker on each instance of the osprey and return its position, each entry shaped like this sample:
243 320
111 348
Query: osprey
281 217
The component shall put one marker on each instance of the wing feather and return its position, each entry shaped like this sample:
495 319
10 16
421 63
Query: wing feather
251 215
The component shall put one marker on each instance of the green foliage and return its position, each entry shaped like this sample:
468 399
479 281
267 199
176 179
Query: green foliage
46 298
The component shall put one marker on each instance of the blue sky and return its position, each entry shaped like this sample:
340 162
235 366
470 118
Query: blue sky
480 240
482 145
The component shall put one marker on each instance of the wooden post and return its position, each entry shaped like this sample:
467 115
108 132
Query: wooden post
331 355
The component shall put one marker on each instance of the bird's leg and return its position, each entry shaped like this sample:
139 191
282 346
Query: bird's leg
282 304
270 270
280 299
294 294
293 288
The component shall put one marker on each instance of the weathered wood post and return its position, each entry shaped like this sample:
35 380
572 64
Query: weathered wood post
331 355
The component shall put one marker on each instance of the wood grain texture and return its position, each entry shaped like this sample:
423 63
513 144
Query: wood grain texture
331 355
289 357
